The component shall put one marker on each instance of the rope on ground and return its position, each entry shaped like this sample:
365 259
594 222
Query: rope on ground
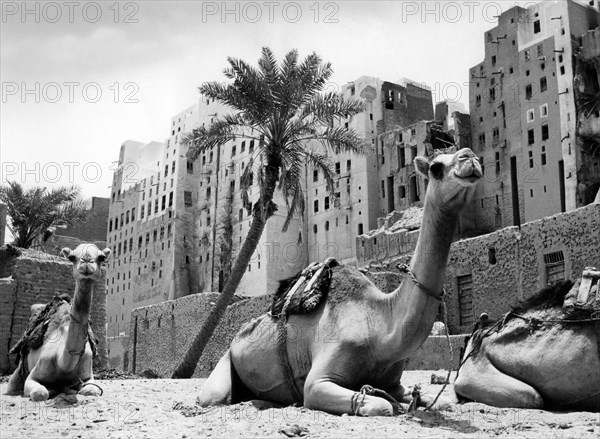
451 354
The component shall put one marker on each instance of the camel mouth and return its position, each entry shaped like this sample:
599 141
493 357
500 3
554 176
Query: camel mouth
86 271
470 172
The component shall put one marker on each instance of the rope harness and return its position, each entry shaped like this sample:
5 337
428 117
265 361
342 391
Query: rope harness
311 279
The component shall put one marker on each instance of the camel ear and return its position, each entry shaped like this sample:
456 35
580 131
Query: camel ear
65 252
106 252
422 165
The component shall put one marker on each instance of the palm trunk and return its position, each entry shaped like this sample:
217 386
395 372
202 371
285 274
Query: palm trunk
188 364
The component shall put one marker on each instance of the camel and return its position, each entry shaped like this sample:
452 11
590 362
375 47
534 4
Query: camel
543 354
358 335
64 359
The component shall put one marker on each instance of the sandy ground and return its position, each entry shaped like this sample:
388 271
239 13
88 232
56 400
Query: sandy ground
166 408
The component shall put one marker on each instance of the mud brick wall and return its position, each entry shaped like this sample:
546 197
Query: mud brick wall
33 277
518 269
161 334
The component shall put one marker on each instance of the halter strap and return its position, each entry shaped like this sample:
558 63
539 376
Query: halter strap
405 269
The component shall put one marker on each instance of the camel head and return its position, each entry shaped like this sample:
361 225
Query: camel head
452 179
87 260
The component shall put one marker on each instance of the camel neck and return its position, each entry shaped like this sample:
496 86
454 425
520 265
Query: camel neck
82 300
412 309
430 258
77 333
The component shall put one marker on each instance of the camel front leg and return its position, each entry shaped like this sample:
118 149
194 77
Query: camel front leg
218 386
86 375
481 381
15 382
35 390
320 394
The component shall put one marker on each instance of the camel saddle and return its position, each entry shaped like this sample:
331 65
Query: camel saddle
585 294
305 291
300 294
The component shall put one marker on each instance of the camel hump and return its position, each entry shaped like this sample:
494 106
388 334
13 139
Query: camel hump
302 293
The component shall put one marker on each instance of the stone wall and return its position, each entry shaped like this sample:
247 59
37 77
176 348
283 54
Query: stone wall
162 333
28 277
505 266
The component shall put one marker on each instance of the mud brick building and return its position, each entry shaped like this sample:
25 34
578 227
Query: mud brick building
524 114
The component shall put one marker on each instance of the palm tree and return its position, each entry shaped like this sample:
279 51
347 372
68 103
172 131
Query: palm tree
284 109
33 211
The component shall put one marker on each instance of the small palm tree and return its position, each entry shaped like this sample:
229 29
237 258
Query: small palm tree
33 211
284 109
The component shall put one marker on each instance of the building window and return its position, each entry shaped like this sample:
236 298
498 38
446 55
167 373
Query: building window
166 170
156 206
316 206
496 135
240 215
190 167
315 175
164 202
315 229
478 100
537 28
540 50
173 167
465 299
187 198
154 239
530 159
530 136
493 60
326 226
348 165
527 55
497 157
528 91
543 155
338 168
530 116
243 146
545 132
562 70
382 189
110 226
326 203
543 84
482 140
360 228
493 94
555 267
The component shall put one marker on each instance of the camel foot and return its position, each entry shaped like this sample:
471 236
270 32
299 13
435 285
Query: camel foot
39 394
374 406
90 390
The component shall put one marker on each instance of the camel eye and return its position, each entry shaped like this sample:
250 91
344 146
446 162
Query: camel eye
437 170
101 258
72 258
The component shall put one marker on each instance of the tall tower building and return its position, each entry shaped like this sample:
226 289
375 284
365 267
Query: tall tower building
335 222
523 113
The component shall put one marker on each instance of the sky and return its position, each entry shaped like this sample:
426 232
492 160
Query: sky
79 78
